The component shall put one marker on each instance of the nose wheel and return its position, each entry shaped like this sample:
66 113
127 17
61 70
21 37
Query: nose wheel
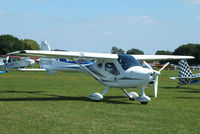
143 99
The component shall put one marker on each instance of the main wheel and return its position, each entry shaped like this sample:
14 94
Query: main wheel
144 103
131 99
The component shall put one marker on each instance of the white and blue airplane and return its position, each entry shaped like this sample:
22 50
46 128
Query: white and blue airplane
185 75
15 62
53 65
112 70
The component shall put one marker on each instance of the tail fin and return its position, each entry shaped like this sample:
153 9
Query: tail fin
184 71
45 46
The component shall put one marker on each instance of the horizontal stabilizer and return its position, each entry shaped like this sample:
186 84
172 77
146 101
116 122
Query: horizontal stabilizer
36 69
174 78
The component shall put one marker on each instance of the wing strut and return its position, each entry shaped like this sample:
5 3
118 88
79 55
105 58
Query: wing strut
86 69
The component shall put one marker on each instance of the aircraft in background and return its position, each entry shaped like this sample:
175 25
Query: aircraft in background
15 62
113 70
53 65
185 75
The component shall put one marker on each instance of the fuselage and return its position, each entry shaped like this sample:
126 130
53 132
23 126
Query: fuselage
124 72
18 62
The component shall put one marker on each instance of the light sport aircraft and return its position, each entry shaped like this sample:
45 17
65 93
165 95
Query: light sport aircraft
185 75
112 70
15 62
52 65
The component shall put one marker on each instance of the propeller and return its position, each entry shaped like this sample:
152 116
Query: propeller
155 74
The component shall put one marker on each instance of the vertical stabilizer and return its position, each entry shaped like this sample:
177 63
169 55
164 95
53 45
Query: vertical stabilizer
45 46
184 71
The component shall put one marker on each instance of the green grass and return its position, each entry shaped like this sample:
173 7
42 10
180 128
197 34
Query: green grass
31 102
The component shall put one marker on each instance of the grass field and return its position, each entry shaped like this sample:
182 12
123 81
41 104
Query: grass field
33 103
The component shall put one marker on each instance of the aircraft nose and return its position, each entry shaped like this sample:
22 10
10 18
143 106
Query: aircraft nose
143 73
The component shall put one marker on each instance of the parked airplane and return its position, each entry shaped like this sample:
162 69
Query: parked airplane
15 62
185 75
114 70
53 65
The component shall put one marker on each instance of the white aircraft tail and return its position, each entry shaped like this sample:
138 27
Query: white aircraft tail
184 71
45 46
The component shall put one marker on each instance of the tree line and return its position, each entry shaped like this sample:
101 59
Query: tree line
9 43
189 49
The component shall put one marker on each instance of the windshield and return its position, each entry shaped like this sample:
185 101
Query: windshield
127 61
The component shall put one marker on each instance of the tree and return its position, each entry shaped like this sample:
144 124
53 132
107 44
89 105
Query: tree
163 52
9 43
31 44
190 50
116 50
134 51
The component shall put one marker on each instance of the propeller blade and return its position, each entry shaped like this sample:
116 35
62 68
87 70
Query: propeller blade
156 87
147 65
164 66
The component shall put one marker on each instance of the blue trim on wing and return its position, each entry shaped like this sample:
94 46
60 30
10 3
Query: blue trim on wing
67 61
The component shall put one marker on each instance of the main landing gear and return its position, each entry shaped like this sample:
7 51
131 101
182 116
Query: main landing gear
97 96
143 99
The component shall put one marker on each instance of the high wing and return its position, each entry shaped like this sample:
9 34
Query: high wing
65 54
94 55
161 57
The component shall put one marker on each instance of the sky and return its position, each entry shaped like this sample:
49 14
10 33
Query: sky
98 25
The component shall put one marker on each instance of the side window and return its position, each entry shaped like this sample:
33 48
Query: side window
111 68
99 65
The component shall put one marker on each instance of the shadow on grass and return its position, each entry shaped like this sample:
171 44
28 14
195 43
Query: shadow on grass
184 89
189 98
190 91
107 99
179 88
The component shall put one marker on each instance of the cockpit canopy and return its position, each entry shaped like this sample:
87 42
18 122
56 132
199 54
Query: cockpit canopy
127 61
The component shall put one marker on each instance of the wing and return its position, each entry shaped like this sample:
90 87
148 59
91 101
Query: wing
161 57
94 55
64 54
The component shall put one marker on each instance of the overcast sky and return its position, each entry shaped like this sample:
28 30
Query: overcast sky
97 25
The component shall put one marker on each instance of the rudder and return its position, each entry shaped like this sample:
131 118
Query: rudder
184 71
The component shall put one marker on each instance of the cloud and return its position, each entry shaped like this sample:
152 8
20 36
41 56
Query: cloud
191 2
2 13
108 33
198 17
38 0
129 20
